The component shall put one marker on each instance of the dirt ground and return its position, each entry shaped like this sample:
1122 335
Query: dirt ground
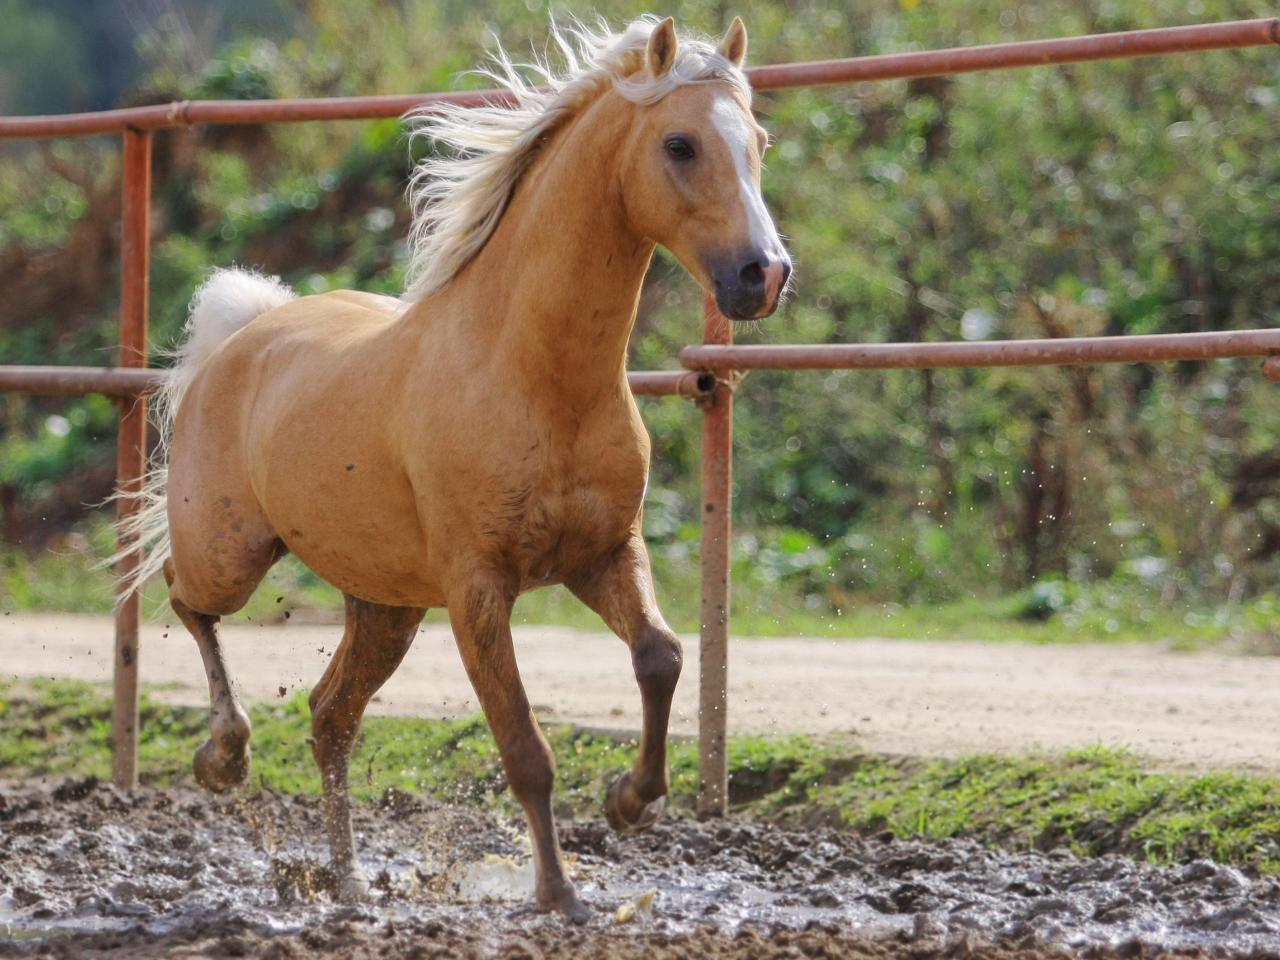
1178 710
88 871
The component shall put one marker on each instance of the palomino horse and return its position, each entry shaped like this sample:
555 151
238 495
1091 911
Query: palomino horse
477 437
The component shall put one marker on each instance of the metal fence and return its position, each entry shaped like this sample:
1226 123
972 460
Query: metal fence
709 369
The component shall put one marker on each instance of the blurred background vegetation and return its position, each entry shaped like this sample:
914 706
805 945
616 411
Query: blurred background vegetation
1109 198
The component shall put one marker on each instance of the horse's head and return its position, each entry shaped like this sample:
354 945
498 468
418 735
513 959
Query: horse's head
691 175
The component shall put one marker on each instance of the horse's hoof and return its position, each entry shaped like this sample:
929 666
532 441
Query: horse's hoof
620 807
217 770
566 903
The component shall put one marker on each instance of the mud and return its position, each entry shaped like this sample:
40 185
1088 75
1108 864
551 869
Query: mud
86 870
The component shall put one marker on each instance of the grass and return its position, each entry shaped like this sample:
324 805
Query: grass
1093 801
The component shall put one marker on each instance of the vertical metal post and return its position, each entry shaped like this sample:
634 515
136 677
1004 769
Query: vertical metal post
131 454
717 476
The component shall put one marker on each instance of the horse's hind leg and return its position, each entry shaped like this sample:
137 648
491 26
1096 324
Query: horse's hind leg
621 592
374 642
222 761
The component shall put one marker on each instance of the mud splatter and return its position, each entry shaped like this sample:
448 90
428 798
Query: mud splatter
88 870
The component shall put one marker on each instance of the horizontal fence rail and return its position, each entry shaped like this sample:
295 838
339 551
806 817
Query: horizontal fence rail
1067 351
186 113
135 382
708 374
74 381
1123 45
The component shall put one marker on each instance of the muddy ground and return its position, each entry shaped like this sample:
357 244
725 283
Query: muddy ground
86 870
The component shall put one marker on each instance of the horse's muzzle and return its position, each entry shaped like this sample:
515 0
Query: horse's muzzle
750 287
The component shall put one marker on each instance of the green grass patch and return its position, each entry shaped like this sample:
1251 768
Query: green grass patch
1092 801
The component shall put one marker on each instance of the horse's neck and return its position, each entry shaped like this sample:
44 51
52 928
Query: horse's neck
552 296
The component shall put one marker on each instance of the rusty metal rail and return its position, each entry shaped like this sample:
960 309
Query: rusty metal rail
1152 348
129 382
894 66
131 447
714 556
1031 53
75 381
709 368
186 113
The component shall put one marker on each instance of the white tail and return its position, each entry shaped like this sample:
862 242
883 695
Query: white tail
224 303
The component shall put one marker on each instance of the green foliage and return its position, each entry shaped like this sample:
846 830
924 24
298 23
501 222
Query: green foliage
43 67
1043 599
1094 800
62 444
243 72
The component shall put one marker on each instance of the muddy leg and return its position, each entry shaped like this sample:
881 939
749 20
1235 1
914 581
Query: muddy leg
374 642
481 619
622 593
222 761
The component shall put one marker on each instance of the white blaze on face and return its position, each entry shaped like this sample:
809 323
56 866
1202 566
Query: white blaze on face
728 120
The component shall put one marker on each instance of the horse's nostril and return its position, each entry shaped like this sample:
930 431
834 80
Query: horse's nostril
752 274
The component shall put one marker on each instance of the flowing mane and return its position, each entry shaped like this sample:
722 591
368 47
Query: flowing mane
458 195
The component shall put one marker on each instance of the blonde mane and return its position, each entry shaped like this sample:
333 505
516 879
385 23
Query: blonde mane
458 195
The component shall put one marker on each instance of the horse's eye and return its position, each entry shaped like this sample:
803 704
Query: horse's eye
678 148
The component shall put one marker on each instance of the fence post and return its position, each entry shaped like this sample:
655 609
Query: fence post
131 453
717 476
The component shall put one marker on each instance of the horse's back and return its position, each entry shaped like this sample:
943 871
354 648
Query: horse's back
322 323
304 351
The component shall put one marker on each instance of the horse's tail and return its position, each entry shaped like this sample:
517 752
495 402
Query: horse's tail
224 303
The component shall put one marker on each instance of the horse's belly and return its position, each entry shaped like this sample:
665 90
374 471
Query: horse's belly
359 534
367 565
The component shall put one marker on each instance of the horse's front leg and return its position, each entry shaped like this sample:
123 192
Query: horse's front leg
480 612
621 591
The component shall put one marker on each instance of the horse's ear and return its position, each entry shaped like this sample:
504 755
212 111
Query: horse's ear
661 52
734 45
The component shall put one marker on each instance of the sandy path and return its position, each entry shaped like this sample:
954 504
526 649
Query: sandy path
1188 710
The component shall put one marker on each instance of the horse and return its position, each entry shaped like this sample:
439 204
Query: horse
475 437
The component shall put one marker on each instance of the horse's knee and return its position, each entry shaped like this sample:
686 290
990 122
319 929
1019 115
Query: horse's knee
657 657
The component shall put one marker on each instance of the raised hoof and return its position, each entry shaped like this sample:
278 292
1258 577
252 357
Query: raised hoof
625 812
219 770
566 903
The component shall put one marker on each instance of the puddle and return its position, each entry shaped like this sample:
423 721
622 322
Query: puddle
493 878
